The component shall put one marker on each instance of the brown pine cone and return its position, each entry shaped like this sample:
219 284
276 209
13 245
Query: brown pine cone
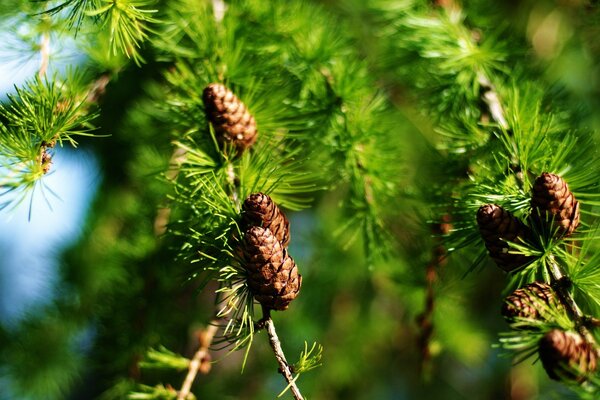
273 276
260 210
230 118
553 201
567 355
525 302
497 227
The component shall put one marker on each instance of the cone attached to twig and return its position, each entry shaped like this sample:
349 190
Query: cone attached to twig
260 210
531 301
273 276
567 355
498 227
552 201
229 117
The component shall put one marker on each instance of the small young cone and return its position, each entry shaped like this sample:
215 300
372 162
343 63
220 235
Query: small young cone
529 302
567 355
230 118
273 276
497 227
553 201
260 210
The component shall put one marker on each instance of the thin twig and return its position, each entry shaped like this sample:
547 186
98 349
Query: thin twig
219 8
233 181
367 181
44 54
284 367
561 287
425 319
489 95
163 214
196 362
492 100
98 88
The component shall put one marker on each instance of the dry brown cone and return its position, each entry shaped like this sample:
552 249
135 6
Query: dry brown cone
260 210
553 201
229 117
529 302
273 276
567 355
497 227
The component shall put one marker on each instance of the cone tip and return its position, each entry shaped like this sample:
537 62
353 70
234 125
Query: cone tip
547 177
211 90
486 211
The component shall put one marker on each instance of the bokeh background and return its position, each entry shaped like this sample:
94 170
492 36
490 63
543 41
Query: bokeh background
86 287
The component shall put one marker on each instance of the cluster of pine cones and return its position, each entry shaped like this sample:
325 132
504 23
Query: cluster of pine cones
273 276
565 355
553 208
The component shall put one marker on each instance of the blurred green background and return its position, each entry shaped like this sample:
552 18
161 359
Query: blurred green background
87 287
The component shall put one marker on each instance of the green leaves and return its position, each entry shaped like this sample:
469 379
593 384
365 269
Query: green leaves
128 21
309 359
164 358
48 110
158 392
38 116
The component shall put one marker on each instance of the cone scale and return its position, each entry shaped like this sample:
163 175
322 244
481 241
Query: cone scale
553 203
529 302
497 227
229 117
273 276
260 210
567 355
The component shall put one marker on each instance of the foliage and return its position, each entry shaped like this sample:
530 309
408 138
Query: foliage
37 117
383 126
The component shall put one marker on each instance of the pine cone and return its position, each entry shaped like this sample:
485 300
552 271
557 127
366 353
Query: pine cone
260 210
525 302
231 121
567 355
553 201
497 227
273 277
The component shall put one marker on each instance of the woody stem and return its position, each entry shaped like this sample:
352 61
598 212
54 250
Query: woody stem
196 362
560 279
284 367
44 52
233 181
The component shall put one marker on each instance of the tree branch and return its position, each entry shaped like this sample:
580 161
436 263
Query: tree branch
492 100
367 181
425 319
163 214
201 358
44 54
488 90
284 368
561 285
233 181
